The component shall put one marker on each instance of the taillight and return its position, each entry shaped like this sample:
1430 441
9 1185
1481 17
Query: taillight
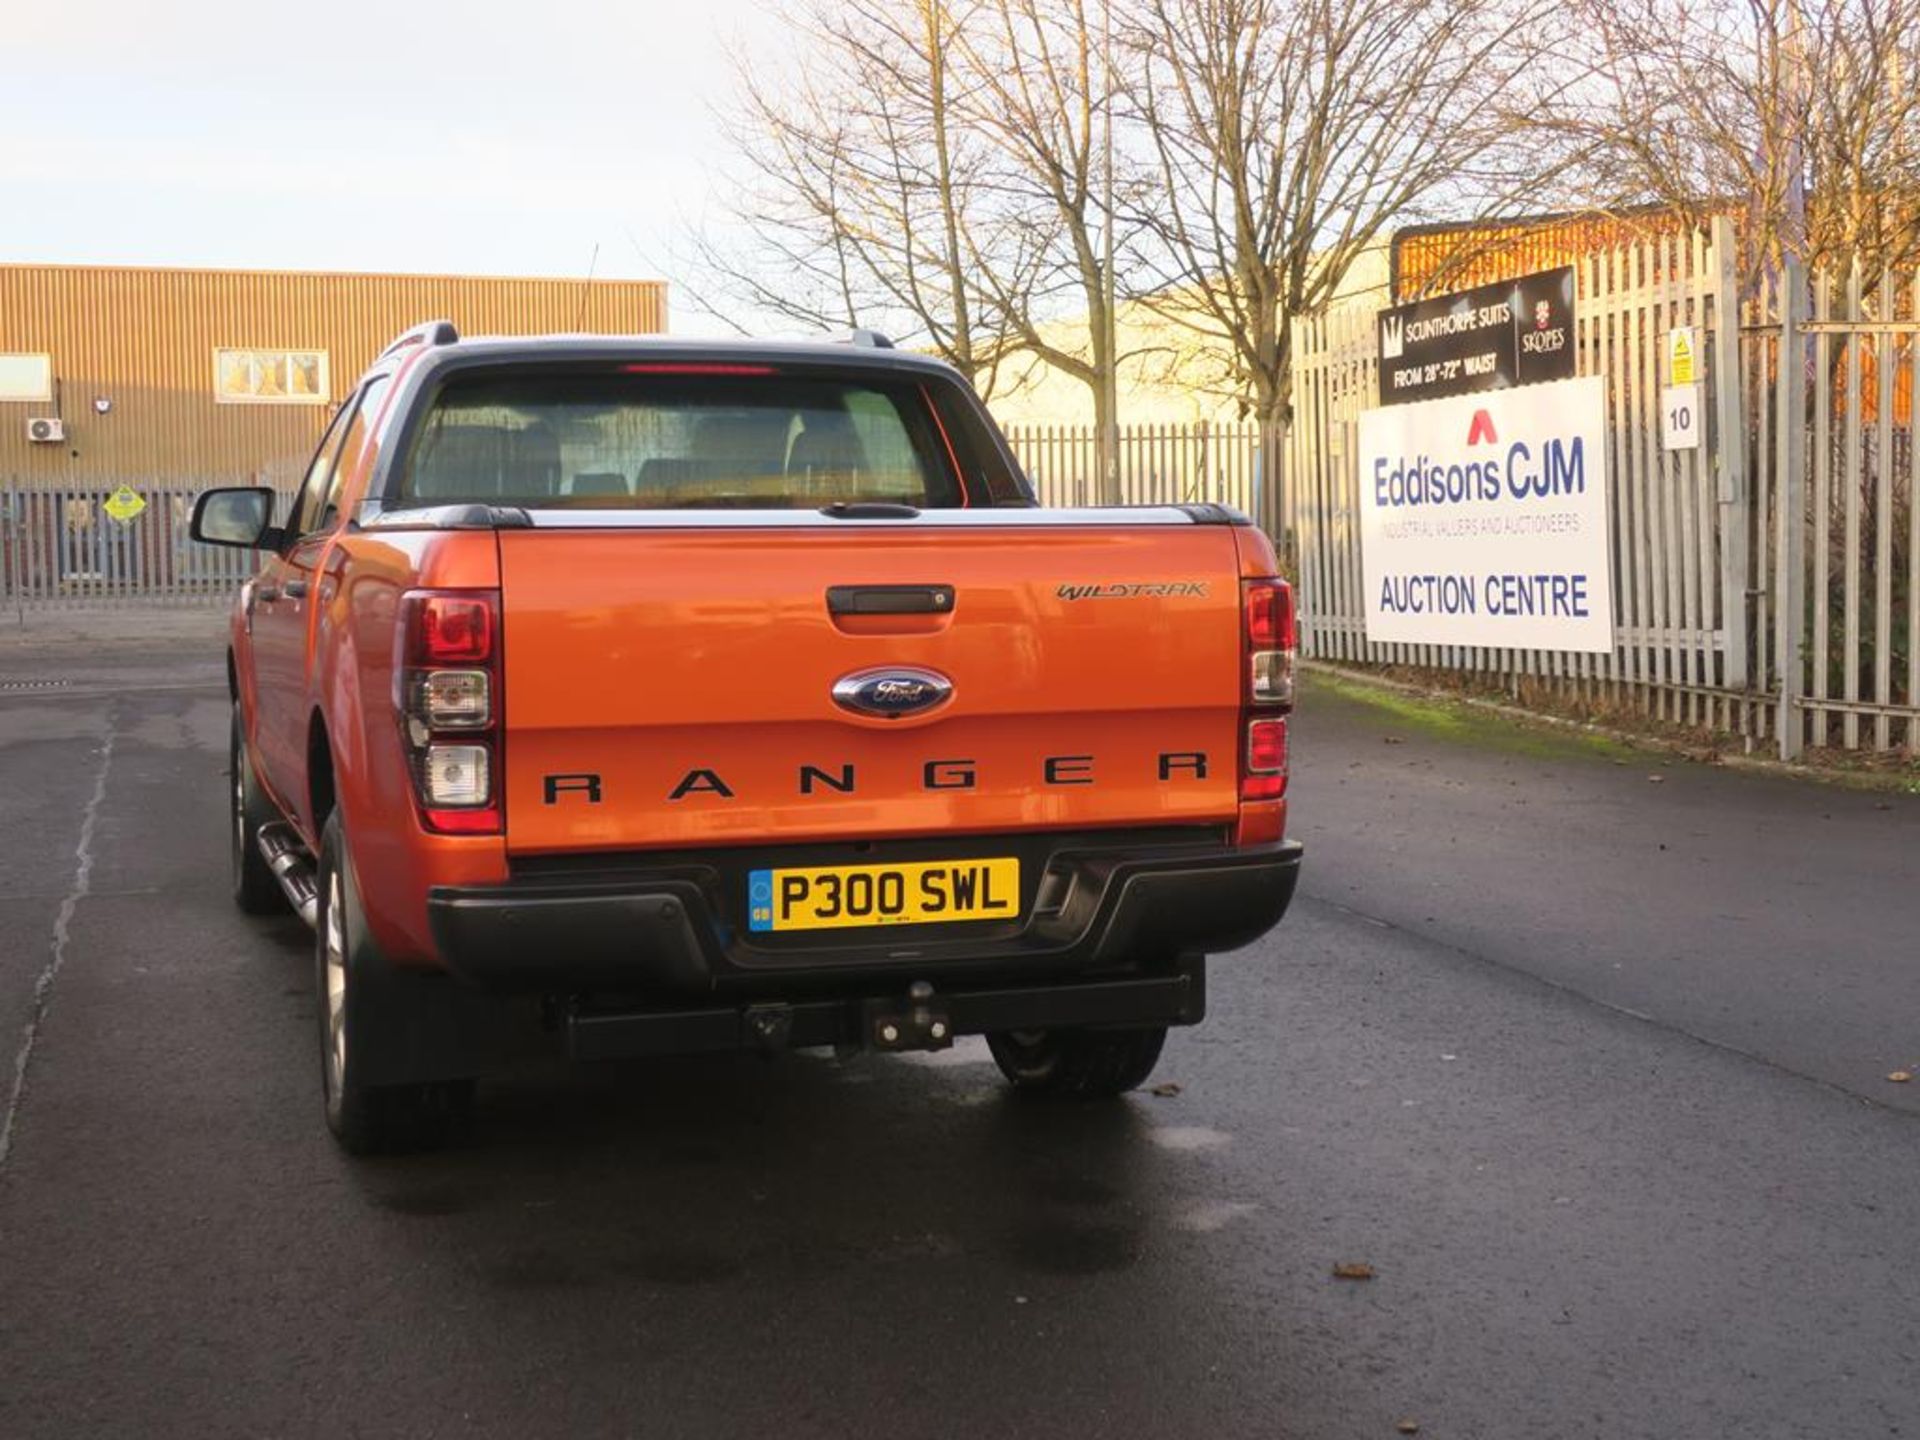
1269 646
449 700
450 629
1266 769
1270 642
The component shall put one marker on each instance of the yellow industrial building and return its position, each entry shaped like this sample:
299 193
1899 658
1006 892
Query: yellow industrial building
112 375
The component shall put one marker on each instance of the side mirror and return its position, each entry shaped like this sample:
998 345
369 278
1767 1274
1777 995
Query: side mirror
240 517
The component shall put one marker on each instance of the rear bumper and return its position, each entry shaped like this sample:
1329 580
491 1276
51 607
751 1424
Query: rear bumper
672 929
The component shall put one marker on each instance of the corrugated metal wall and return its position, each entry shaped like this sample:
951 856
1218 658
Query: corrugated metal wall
1439 259
145 340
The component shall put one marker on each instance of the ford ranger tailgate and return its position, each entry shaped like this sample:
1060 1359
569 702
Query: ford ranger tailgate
675 686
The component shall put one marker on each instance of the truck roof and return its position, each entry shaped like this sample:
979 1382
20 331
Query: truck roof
512 349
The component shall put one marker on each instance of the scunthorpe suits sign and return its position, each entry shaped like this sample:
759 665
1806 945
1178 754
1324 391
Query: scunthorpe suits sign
1484 519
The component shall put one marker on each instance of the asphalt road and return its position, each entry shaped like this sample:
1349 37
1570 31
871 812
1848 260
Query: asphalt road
1589 1069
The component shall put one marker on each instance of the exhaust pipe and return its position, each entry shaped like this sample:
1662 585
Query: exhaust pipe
293 867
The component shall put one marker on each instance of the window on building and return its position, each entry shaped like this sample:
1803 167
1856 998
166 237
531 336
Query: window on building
270 377
26 378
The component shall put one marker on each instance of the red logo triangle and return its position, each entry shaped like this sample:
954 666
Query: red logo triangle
1482 429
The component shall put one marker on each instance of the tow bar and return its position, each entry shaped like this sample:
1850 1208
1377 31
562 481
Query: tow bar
922 1024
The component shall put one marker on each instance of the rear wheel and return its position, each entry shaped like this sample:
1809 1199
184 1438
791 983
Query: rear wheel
254 889
1078 1063
365 1119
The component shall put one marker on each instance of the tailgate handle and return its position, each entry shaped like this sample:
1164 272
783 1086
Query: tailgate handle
890 599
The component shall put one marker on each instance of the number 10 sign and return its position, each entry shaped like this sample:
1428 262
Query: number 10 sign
1680 417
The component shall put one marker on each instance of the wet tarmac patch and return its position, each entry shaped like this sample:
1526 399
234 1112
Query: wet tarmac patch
535 1270
682 1267
1071 1189
1065 1247
1188 1137
692 1152
1209 1216
431 1201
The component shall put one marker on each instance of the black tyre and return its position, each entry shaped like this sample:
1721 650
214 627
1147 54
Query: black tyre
1082 1064
365 1119
255 890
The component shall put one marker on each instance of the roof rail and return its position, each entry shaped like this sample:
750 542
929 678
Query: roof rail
433 332
870 339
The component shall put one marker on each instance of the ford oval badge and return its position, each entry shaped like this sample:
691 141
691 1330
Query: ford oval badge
892 691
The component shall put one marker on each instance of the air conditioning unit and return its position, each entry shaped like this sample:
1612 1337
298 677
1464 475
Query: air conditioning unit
46 430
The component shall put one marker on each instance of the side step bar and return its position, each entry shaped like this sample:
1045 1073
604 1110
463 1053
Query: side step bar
293 868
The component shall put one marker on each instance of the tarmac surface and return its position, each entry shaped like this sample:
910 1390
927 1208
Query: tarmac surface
1583 1053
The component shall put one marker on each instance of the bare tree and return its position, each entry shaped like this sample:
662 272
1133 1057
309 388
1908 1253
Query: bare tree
1801 116
1039 93
941 167
1291 136
865 197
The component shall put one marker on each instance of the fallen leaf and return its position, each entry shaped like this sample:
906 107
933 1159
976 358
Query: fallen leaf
1408 1427
1352 1270
1166 1091
1656 779
1392 740
1900 1077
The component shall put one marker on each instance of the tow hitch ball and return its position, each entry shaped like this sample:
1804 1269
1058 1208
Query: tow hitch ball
922 1024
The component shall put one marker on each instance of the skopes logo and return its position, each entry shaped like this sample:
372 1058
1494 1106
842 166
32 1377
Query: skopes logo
1393 337
1545 338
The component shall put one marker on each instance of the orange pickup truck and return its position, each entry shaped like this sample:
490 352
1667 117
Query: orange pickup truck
619 697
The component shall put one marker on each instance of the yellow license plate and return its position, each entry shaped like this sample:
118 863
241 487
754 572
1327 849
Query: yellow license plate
833 897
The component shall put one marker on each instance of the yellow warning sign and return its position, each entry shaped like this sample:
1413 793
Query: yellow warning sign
123 505
1681 350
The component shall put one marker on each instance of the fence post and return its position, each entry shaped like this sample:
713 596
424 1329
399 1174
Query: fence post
12 564
1790 528
1730 420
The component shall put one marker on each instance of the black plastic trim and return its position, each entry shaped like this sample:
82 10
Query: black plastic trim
1178 997
676 928
1211 514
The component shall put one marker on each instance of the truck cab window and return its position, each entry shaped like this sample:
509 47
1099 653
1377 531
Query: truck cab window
693 440
353 450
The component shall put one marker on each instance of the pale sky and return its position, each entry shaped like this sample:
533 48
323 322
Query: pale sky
411 135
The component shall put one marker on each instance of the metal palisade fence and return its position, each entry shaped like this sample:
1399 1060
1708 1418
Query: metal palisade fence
1832 383
87 545
1765 584
1158 464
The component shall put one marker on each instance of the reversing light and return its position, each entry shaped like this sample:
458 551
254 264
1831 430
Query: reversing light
455 777
452 699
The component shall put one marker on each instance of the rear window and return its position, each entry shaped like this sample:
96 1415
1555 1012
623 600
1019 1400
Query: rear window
666 439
